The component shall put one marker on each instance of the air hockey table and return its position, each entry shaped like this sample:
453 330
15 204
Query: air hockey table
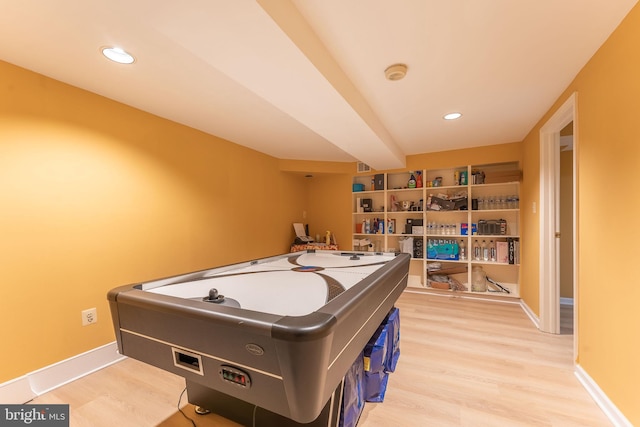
275 335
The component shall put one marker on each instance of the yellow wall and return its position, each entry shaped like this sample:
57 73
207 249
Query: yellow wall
328 197
608 161
95 195
477 155
328 205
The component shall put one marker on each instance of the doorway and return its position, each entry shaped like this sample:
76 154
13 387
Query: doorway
566 230
550 221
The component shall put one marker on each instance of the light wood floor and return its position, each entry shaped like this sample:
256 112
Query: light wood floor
566 319
463 363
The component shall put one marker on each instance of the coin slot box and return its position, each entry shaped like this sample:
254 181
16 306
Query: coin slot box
235 376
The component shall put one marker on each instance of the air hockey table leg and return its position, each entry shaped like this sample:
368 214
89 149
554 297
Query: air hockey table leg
207 400
201 411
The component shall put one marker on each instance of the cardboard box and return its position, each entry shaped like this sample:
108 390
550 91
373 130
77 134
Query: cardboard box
494 177
440 204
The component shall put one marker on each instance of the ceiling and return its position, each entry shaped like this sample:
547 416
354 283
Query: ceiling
304 79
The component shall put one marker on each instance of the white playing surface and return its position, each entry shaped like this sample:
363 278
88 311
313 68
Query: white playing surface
272 287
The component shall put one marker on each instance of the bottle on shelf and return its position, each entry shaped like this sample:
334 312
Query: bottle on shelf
501 202
485 250
463 250
463 178
477 252
492 251
412 181
490 203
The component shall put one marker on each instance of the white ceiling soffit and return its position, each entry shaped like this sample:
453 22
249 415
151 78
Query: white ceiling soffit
292 84
304 79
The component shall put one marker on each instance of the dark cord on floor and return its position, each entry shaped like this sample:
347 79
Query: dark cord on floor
181 411
255 408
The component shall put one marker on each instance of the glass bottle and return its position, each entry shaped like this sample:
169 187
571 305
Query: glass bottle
463 250
477 253
485 251
492 251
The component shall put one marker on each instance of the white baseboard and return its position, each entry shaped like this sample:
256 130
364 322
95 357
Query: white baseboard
16 391
25 388
422 290
535 319
611 411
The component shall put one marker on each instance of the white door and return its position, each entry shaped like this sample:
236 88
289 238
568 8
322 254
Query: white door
549 216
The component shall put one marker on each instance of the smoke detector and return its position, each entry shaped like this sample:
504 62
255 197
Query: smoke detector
395 72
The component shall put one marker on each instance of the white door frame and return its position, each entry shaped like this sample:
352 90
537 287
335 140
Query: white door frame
549 215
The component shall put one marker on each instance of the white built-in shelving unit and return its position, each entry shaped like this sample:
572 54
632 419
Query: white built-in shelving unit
393 205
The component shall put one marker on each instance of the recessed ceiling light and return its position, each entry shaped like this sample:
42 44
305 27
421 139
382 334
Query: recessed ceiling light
118 55
452 116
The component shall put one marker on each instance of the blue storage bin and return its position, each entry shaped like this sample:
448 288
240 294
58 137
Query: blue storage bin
376 350
353 394
381 356
375 386
393 337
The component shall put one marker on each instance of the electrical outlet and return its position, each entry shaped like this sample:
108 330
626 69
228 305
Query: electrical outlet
89 316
